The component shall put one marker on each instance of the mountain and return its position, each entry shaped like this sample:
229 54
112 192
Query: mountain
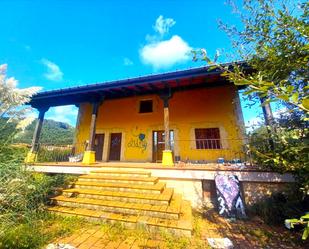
53 132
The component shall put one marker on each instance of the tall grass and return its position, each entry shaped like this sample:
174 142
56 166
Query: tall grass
23 196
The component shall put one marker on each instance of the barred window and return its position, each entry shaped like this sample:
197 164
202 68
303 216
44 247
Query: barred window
207 138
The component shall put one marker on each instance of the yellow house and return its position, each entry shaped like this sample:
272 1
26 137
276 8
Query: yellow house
184 119
191 116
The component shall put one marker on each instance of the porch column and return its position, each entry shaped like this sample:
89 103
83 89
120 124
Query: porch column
89 154
167 157
32 155
269 120
167 144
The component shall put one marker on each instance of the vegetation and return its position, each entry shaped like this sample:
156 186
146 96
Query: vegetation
274 43
54 154
278 207
23 197
38 232
23 194
53 132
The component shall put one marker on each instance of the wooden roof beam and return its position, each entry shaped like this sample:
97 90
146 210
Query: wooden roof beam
152 87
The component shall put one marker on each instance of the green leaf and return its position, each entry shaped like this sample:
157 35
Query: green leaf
283 97
306 233
294 97
305 103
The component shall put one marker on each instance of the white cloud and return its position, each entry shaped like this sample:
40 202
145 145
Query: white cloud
127 62
254 123
163 25
67 114
53 70
281 111
164 54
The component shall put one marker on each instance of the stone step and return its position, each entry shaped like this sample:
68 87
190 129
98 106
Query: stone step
171 211
121 173
182 226
130 197
156 188
120 179
133 198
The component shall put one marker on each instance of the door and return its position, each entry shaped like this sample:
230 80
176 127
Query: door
115 147
98 146
158 144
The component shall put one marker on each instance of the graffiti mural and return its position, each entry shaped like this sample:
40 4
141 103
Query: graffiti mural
138 141
230 201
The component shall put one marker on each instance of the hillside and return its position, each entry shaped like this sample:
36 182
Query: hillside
53 132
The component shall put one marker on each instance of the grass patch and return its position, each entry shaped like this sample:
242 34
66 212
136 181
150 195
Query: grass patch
38 232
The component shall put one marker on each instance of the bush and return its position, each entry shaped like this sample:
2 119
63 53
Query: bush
54 155
23 195
11 154
38 232
278 207
23 236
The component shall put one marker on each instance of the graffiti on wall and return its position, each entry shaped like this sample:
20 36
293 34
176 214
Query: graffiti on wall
230 201
138 141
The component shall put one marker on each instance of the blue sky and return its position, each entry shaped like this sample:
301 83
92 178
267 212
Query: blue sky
56 44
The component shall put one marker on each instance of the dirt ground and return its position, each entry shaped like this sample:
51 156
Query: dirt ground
250 233
244 234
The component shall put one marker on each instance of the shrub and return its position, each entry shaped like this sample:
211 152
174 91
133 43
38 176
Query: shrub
23 195
54 154
278 207
38 231
23 236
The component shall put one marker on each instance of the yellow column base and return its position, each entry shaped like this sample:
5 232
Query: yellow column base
167 158
31 157
89 157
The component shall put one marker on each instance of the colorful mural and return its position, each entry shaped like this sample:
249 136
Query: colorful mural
230 202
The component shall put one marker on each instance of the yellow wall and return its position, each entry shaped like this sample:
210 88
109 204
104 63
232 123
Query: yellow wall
201 108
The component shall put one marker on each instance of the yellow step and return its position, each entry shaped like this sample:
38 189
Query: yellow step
116 186
126 179
160 211
178 226
159 199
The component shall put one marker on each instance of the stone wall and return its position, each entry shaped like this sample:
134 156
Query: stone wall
256 191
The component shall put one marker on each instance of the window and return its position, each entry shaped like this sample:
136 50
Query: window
207 138
145 106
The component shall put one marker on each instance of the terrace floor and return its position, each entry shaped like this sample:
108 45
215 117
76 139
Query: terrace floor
178 171
148 165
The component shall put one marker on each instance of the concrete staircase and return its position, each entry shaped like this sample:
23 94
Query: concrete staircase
133 198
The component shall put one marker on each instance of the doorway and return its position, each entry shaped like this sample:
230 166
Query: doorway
158 144
115 147
98 146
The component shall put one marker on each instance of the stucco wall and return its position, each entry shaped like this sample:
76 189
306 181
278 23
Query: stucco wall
200 108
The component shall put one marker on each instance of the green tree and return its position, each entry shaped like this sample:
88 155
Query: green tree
273 41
